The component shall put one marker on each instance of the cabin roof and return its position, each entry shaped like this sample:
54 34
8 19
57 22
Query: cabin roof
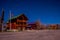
18 16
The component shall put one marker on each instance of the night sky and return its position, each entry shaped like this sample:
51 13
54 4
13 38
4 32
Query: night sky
46 11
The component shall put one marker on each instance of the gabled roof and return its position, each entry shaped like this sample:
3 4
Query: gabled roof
19 16
22 15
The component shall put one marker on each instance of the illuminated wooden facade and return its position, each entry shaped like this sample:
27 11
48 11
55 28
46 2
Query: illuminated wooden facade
32 26
19 22
52 26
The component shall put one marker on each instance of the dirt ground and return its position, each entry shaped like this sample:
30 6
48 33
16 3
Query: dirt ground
31 35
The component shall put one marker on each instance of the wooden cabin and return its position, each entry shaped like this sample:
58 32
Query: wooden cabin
52 26
32 26
19 22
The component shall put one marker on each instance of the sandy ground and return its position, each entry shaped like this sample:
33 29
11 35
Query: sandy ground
31 35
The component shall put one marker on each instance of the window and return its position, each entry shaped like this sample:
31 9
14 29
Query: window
21 23
24 22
